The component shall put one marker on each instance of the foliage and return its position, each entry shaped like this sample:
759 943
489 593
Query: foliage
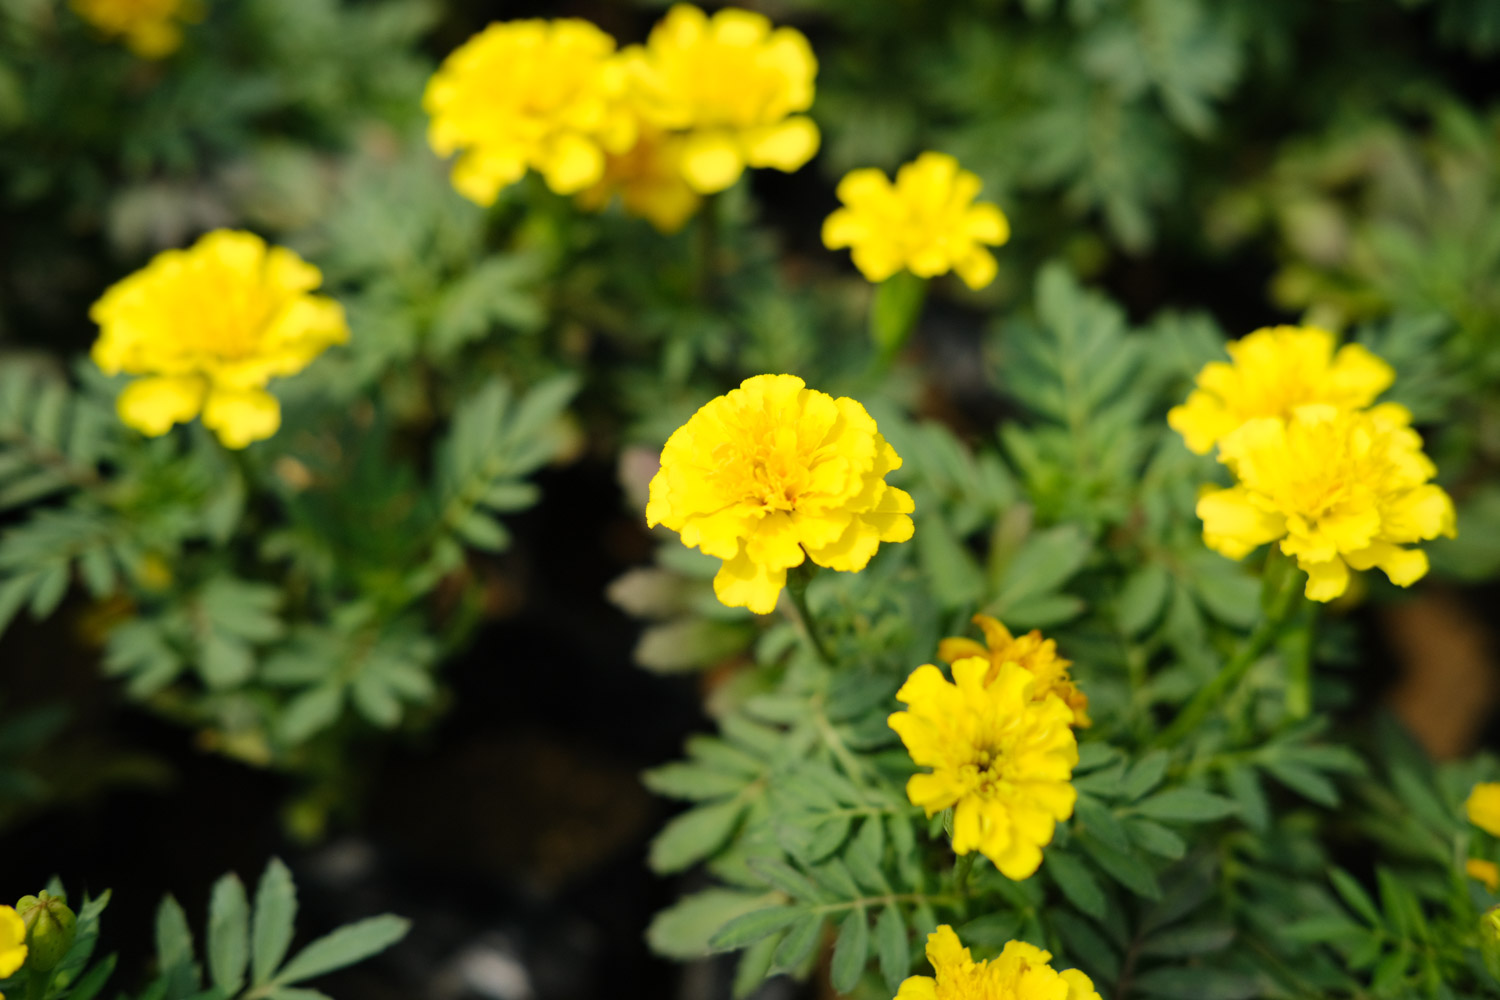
244 948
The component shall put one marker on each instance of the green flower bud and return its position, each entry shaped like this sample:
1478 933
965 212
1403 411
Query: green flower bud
50 927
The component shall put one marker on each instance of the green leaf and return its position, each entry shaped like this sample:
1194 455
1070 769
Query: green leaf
174 949
751 927
683 930
228 934
1076 882
272 925
893 945
851 951
1186 805
1145 775
1199 984
1355 896
1142 598
694 835
754 964
310 712
345 946
798 944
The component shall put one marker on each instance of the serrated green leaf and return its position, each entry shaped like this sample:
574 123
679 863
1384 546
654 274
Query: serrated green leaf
851 951
228 934
349 944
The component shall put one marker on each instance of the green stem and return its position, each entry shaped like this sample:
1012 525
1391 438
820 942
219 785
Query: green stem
797 580
1283 585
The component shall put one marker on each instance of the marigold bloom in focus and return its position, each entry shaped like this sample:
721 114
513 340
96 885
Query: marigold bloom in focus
732 86
12 941
151 28
209 327
1001 759
1483 807
648 178
1031 651
1338 489
1272 372
927 222
1020 972
541 94
773 473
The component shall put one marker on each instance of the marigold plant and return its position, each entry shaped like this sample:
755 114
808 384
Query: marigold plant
208 328
151 28
1001 759
1337 489
927 222
1020 972
1272 372
774 473
1031 651
543 95
734 88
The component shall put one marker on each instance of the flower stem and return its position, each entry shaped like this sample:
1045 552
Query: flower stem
1281 586
797 579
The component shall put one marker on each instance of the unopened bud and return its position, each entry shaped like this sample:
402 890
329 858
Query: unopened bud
50 927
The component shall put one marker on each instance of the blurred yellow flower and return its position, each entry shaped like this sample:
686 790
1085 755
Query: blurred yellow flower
151 28
1339 489
1272 372
732 86
648 178
1483 871
1000 758
1020 972
927 222
547 95
773 473
12 941
1031 651
1483 807
209 327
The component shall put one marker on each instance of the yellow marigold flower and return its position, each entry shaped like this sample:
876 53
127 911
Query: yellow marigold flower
927 222
1483 807
648 178
541 94
12 941
773 473
1031 651
1272 372
1001 759
1339 489
1483 871
1020 973
151 28
733 86
209 327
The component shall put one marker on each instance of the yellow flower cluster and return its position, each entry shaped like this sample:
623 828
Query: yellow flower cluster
209 327
771 474
1001 758
12 941
1338 485
1037 655
1020 973
659 124
151 28
927 222
1274 371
